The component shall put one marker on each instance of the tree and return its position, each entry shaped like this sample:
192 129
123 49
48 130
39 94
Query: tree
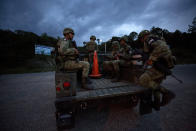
156 31
192 28
47 40
133 35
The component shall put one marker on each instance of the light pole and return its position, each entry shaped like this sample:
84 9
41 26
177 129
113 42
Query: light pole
105 47
98 40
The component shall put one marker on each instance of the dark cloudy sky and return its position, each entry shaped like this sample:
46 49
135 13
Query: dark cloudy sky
103 18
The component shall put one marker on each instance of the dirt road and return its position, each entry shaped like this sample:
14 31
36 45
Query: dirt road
27 103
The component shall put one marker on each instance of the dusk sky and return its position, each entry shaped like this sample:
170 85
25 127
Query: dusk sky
103 18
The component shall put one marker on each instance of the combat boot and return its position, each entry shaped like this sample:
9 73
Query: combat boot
167 97
117 79
156 102
88 80
84 84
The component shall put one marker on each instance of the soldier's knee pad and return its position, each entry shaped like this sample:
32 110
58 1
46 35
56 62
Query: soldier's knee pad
85 64
144 79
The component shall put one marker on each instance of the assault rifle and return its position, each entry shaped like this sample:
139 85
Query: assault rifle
164 69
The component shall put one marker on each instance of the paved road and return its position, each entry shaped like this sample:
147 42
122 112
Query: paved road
27 103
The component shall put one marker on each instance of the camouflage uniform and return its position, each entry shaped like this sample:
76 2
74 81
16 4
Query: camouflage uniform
152 77
91 46
108 65
125 52
159 49
67 51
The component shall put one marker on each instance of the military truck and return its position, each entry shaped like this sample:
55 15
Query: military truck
71 98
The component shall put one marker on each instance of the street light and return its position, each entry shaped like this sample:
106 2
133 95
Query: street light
98 40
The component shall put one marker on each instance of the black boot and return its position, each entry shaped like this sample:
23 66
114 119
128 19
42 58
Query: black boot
117 77
167 97
156 102
89 81
84 84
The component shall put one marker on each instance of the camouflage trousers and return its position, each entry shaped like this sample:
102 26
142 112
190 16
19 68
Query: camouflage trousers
151 78
90 57
72 65
108 67
118 63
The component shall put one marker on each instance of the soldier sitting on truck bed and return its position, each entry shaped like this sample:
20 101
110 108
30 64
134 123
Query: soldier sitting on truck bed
107 65
68 55
124 53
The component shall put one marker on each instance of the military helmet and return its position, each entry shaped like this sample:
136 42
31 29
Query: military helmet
125 38
115 43
93 37
143 33
68 30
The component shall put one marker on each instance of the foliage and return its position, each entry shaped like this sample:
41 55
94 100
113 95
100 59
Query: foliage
192 28
18 46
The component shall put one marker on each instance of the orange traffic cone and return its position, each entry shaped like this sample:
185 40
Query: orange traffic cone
95 69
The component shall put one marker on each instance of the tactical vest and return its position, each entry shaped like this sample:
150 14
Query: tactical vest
91 46
63 46
168 59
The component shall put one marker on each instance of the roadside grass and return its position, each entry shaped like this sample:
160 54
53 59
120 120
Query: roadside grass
22 70
39 63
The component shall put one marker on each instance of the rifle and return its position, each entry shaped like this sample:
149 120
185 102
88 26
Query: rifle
145 56
163 68
75 46
129 58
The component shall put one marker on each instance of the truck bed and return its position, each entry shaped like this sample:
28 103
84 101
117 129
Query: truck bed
104 88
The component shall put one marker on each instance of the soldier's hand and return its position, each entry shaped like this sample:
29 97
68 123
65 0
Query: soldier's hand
149 62
119 55
76 51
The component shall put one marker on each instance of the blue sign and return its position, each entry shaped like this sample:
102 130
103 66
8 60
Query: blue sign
44 50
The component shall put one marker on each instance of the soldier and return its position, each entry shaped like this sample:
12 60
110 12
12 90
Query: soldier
124 53
91 46
159 52
108 65
68 54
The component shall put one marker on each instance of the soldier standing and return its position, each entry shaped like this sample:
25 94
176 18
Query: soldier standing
91 46
68 54
159 52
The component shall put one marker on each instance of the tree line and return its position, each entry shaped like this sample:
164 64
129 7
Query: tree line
18 46
182 44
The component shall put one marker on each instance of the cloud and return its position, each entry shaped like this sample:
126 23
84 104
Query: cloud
102 18
126 29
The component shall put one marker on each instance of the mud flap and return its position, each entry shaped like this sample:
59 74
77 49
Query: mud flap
65 120
65 114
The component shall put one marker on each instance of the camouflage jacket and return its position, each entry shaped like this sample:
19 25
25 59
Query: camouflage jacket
115 49
67 49
125 51
159 49
91 46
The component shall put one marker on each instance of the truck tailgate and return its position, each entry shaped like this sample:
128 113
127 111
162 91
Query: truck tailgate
104 88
